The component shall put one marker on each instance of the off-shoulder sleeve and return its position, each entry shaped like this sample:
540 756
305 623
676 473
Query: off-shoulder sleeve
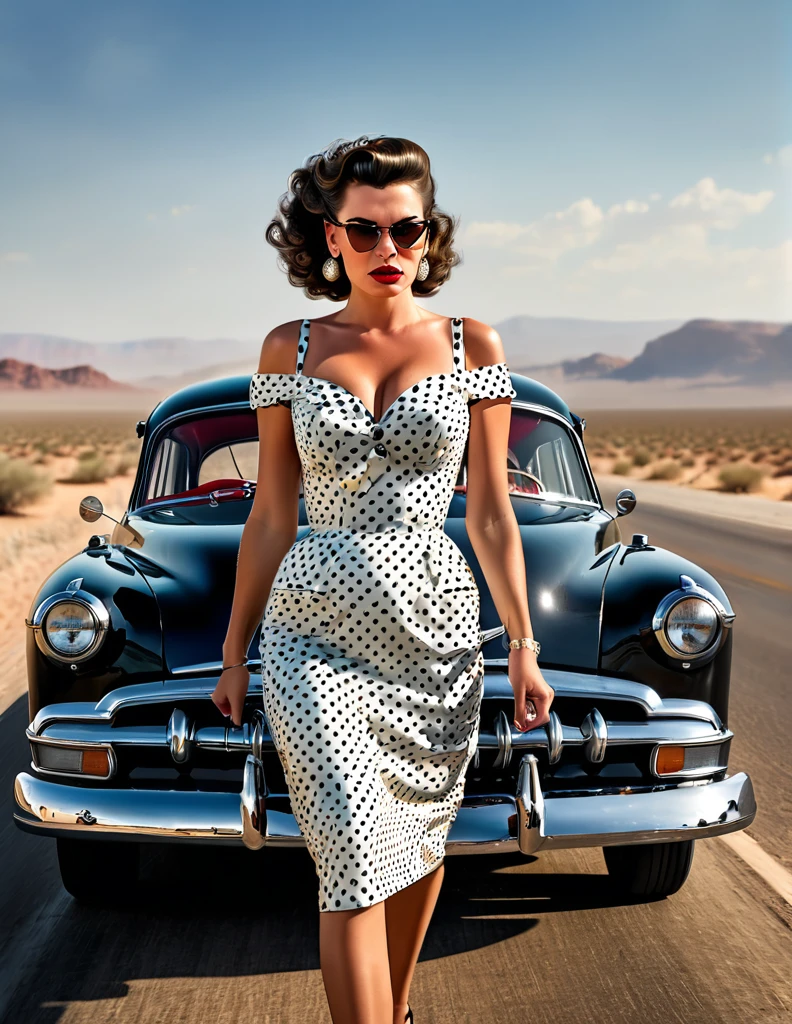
273 388
490 381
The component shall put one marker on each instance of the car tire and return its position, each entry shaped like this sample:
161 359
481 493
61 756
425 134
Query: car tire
98 873
649 869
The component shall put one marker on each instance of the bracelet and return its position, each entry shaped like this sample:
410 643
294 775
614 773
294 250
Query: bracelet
526 641
234 666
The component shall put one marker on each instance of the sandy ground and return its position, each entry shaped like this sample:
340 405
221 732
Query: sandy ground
750 508
698 477
33 543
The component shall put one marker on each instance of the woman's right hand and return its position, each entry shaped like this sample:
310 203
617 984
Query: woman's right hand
230 692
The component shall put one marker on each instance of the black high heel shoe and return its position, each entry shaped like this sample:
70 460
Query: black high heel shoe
409 1018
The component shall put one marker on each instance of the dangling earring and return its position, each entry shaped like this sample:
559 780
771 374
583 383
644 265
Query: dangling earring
423 269
330 269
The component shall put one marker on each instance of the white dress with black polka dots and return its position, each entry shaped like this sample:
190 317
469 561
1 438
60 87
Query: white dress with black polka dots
370 643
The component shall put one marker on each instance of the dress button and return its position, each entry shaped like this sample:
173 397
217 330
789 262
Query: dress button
377 433
380 449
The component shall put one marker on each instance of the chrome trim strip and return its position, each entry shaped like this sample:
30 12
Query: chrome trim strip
496 685
485 823
504 736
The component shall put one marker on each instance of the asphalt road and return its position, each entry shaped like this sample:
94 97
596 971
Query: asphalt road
232 936
753 564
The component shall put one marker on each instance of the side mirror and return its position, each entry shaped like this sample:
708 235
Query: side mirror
92 509
625 502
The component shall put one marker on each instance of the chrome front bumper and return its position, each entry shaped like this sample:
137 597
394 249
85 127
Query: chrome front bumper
527 822
696 806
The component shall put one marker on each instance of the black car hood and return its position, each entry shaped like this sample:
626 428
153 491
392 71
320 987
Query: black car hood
189 556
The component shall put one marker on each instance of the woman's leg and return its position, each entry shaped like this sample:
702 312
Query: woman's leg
353 950
407 916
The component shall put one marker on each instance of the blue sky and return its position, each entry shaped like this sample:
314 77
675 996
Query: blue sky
606 159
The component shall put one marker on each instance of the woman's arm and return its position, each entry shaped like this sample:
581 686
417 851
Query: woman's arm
493 529
271 526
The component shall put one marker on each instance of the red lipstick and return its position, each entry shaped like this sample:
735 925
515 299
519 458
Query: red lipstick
386 274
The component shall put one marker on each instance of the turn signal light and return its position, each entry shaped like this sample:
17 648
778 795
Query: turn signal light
72 760
670 759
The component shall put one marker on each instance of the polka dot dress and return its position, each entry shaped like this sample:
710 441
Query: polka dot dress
370 643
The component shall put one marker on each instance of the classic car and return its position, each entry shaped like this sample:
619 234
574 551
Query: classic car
124 647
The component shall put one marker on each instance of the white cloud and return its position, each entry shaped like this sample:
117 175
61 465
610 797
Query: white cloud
638 252
631 233
15 257
782 157
722 208
179 211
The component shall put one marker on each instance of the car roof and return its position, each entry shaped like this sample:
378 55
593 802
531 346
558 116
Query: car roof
235 390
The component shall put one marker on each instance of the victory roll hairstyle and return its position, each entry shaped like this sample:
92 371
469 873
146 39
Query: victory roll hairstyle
316 192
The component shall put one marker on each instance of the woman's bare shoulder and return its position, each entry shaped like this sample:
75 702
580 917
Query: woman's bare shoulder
483 344
279 348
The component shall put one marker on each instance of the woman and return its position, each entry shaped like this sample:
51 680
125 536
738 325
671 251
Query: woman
370 640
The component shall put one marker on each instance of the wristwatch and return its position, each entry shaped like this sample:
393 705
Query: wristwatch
526 641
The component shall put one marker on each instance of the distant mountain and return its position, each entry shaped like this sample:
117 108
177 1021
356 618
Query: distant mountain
18 376
527 340
750 352
734 352
597 365
537 340
125 360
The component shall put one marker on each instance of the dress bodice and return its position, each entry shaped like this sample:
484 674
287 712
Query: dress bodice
366 474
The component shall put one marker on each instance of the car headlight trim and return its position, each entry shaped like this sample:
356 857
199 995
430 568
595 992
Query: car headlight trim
71 625
689 622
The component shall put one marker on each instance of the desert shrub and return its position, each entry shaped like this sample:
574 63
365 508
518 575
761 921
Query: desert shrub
711 460
641 456
783 470
622 467
669 470
20 484
687 461
124 464
740 478
89 471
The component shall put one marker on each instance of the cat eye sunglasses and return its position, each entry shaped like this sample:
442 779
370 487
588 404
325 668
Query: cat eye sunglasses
364 237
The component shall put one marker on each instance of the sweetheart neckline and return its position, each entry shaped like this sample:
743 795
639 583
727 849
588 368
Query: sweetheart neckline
369 413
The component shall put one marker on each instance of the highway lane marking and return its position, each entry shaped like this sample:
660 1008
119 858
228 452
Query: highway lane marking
767 867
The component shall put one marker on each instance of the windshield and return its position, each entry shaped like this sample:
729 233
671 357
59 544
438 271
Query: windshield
219 452
544 461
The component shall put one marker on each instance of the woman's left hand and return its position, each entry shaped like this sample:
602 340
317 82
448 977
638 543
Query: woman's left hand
530 689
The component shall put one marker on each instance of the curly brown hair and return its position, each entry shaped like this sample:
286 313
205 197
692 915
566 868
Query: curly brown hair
316 192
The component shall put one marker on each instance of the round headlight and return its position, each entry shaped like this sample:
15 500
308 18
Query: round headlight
691 622
692 625
70 628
